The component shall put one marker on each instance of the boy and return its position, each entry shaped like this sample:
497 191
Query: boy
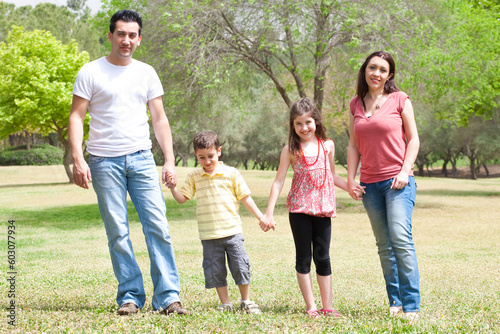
219 188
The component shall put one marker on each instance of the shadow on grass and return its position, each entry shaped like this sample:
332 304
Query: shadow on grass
33 185
459 193
206 308
70 308
84 216
64 218
87 215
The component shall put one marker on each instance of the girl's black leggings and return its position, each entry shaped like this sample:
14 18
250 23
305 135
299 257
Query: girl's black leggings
316 232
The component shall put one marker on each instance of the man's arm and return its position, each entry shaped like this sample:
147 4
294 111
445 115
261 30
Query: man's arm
163 134
81 170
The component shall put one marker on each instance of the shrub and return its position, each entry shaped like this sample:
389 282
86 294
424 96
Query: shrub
38 155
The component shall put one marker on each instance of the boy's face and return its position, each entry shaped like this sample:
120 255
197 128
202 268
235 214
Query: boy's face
208 158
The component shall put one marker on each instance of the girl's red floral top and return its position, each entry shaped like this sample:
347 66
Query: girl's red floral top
312 190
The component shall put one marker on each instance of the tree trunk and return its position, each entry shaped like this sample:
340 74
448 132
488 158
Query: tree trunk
472 154
67 160
486 170
319 86
420 166
16 139
453 162
28 140
429 172
473 170
444 170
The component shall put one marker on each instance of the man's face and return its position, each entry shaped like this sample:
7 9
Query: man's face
125 39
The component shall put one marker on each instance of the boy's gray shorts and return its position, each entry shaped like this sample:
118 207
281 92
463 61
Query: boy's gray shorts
214 261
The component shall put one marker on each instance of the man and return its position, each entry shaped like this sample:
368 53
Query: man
116 90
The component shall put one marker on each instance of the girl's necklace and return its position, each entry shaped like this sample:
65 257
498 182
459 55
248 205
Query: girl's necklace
320 144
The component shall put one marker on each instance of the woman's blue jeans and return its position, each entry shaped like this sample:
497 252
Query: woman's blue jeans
137 174
390 213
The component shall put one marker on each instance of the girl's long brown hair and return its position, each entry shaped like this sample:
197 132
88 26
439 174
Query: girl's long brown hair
304 106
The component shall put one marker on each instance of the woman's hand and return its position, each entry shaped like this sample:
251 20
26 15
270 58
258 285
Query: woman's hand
400 181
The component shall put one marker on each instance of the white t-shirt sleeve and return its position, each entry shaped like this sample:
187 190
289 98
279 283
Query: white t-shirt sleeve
83 83
155 87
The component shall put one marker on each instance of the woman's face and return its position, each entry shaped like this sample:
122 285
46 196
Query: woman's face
377 73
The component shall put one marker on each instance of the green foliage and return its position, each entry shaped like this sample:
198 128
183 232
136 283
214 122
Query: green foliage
63 24
458 70
38 155
36 82
216 60
291 43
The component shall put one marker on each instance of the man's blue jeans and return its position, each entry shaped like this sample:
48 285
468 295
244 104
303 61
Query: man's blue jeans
137 174
390 212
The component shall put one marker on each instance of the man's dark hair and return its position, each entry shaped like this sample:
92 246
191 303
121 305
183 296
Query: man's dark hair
126 16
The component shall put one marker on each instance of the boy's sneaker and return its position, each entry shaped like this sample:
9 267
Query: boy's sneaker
225 307
250 307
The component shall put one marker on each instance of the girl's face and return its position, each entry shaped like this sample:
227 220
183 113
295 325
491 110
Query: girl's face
377 73
305 127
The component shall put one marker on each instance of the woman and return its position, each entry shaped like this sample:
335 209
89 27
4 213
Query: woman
384 134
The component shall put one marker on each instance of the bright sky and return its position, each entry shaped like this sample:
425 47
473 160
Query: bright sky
94 5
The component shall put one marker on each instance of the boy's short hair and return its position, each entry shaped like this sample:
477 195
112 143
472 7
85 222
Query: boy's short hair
205 140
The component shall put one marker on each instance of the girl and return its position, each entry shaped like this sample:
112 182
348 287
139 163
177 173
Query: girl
383 131
311 201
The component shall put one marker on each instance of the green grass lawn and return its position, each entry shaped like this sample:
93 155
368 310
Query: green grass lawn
65 282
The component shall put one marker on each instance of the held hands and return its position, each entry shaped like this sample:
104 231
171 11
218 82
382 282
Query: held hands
169 176
266 223
355 190
168 182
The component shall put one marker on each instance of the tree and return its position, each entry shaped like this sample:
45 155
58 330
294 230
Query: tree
481 142
302 47
36 84
314 48
248 117
291 42
461 64
59 20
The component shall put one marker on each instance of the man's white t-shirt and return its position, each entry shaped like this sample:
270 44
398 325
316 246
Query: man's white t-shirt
118 98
